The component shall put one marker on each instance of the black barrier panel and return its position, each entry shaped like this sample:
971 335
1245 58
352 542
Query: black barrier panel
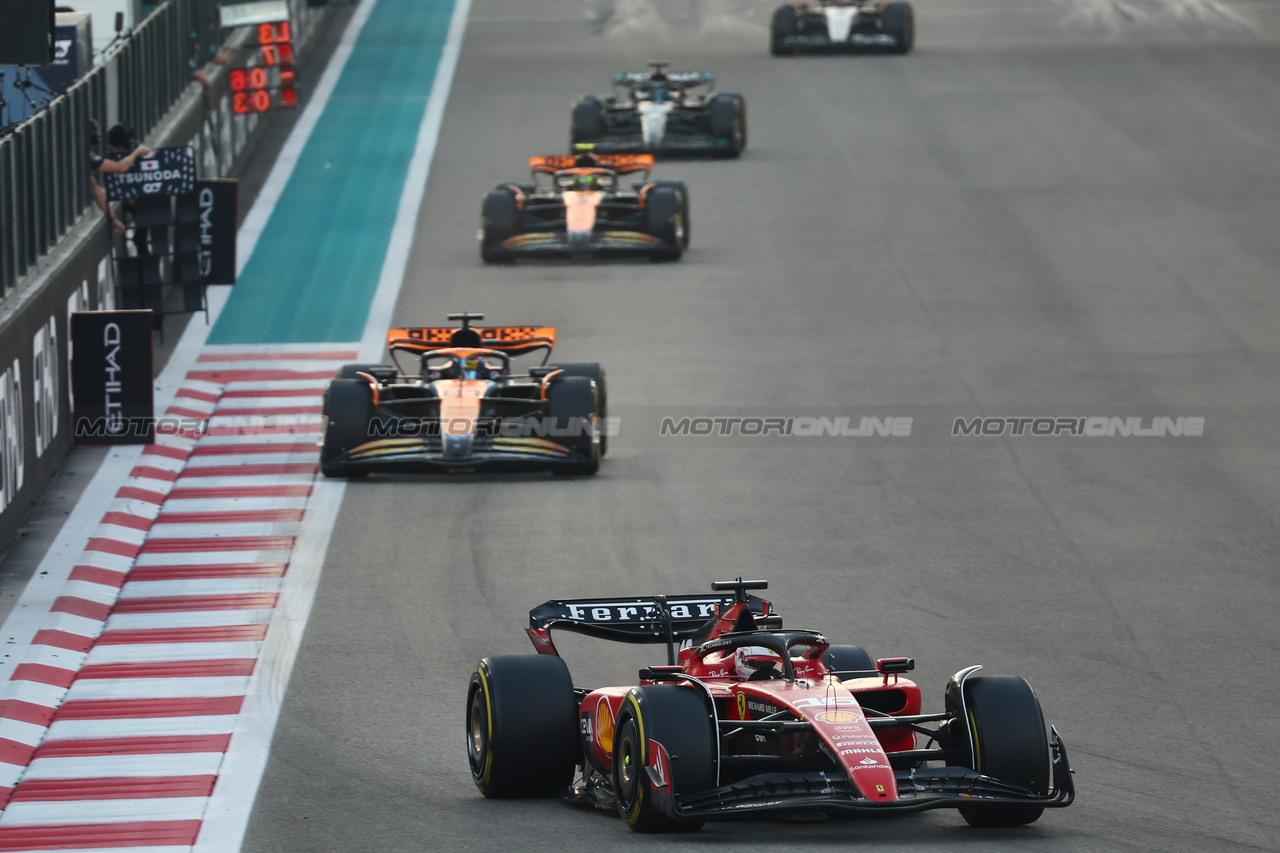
36 417
169 171
111 378
26 32
217 205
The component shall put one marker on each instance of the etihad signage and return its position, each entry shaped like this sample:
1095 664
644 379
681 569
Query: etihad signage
111 378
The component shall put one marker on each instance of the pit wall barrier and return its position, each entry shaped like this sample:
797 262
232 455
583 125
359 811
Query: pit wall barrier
55 245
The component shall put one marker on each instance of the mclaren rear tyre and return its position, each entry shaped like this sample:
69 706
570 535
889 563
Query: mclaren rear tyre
1010 743
353 371
348 408
846 659
728 114
784 25
900 22
677 719
522 726
499 221
588 120
572 404
683 191
595 373
665 217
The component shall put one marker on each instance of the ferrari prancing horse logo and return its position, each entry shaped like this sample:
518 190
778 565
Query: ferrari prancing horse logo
742 706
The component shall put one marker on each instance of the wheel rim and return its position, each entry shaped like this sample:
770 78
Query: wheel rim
477 735
628 768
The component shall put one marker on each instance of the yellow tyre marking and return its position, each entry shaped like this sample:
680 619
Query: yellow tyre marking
977 752
644 762
488 712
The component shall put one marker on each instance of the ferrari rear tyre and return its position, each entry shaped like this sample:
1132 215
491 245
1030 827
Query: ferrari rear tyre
728 113
677 718
595 373
588 120
572 402
665 212
522 726
1010 743
847 659
784 25
900 22
348 408
499 220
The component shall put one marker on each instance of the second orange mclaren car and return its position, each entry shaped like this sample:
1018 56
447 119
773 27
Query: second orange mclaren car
587 205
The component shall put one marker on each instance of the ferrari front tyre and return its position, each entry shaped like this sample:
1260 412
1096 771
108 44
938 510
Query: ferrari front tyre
499 221
588 120
665 212
900 22
348 408
522 726
1010 742
595 373
728 113
784 25
572 404
843 659
666 726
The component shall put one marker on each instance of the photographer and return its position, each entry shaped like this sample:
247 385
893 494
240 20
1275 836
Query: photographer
119 140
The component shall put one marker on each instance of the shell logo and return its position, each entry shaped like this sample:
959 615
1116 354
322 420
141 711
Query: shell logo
604 726
837 717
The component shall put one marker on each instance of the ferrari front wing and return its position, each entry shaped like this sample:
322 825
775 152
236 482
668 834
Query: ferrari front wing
919 789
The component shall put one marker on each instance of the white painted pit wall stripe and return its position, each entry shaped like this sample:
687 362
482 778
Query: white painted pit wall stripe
228 813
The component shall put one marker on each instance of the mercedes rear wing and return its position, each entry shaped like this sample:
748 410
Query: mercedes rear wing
678 78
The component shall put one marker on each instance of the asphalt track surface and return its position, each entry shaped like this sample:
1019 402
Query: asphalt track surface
1046 209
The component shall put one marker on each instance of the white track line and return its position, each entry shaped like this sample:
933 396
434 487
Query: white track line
373 342
227 817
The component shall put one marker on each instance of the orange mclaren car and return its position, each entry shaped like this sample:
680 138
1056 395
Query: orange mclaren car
587 205
459 406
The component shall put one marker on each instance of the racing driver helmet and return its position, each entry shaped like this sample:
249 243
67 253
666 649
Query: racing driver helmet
756 663
585 183
475 368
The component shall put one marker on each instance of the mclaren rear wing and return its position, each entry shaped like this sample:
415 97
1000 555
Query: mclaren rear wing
513 340
623 164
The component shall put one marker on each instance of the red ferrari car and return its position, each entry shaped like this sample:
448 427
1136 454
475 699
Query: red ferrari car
747 717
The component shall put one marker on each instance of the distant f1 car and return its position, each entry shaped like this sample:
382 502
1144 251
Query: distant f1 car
859 24
460 407
577 206
748 718
663 112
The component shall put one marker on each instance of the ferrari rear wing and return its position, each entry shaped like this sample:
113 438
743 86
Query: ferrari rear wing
654 619
513 340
